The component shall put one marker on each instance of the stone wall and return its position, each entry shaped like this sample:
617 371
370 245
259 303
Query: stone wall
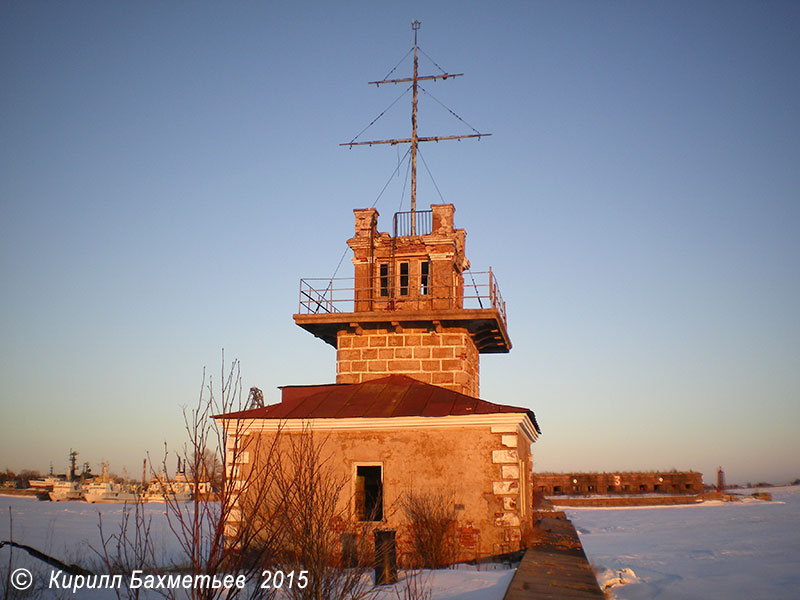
484 471
621 482
649 500
448 359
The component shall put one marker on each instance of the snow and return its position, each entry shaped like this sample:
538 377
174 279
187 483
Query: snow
68 530
462 583
748 549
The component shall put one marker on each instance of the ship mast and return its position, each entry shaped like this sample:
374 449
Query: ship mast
414 140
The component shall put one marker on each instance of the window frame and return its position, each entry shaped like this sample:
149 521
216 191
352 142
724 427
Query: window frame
354 490
425 277
404 274
383 279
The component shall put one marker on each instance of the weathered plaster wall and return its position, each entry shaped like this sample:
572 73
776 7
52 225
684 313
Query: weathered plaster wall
485 470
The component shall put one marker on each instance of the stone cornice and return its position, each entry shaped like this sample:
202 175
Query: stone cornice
520 421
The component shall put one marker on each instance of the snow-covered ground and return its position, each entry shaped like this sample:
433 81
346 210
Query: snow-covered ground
711 550
748 549
68 530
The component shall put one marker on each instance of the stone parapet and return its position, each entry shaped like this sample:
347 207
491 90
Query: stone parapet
554 567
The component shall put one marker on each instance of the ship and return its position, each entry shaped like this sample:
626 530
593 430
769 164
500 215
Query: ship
66 490
106 492
162 491
46 483
71 488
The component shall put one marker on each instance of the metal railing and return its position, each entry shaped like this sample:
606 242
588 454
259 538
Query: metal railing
419 222
340 295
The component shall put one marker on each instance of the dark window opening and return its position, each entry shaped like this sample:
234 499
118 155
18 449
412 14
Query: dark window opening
612 488
590 489
657 487
369 494
557 489
384 279
404 279
688 486
424 273
642 487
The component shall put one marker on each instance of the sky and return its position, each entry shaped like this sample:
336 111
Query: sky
170 170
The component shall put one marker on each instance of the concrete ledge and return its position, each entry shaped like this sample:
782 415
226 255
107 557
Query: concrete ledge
554 566
625 500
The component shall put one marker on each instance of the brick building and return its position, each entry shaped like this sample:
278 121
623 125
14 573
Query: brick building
650 482
404 414
407 308
395 435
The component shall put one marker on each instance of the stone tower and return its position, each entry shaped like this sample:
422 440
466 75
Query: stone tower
412 307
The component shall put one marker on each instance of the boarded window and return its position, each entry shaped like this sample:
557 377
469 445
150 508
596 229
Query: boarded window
369 493
349 550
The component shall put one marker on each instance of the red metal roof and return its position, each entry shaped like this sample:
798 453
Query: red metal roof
391 396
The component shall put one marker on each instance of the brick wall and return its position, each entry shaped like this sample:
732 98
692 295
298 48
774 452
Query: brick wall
658 482
448 359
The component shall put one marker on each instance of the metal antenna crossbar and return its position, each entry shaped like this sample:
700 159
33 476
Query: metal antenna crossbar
415 139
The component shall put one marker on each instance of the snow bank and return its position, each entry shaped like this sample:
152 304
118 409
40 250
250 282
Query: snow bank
725 550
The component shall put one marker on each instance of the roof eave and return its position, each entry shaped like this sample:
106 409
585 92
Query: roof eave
521 420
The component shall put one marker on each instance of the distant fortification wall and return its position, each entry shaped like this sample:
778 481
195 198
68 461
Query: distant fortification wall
621 482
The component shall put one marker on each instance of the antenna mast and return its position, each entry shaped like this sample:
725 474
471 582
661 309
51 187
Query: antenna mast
414 140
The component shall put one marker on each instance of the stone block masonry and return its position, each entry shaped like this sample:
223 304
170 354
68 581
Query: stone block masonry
511 487
448 358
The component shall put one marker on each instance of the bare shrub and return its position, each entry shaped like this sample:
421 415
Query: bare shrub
415 585
128 549
276 503
431 520
225 529
314 516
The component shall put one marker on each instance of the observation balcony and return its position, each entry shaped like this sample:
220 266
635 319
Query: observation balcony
471 301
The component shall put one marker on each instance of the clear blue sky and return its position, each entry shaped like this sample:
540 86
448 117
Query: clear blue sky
168 172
